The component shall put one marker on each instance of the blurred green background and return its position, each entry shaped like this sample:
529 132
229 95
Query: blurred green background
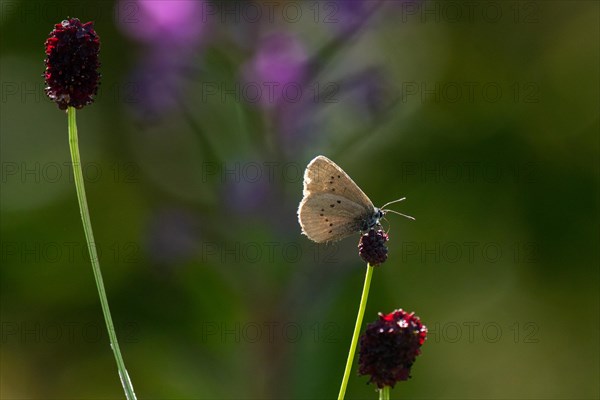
485 115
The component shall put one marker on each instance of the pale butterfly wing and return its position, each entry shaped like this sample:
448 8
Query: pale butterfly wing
324 176
323 223
333 206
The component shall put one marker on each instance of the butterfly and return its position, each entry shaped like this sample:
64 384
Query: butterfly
333 206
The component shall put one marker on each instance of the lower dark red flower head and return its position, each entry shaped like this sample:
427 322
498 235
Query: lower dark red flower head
372 248
389 347
71 74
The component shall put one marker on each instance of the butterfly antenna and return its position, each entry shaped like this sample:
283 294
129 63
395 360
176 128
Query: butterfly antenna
392 202
396 212
383 208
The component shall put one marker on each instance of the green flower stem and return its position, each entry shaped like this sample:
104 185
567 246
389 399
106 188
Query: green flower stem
384 394
89 236
359 318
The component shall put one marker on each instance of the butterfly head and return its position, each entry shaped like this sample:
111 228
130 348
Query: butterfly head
373 220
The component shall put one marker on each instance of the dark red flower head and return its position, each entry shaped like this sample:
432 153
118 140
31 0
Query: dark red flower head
372 248
71 74
389 347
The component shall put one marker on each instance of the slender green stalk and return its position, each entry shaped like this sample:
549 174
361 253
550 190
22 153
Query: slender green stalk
355 335
89 236
384 394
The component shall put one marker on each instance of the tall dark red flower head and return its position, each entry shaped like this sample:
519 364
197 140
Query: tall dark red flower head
372 248
389 347
71 74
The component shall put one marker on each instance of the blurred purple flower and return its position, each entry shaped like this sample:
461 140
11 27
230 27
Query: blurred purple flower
168 31
156 84
278 69
162 21
247 195
172 236
347 15
370 91
297 124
